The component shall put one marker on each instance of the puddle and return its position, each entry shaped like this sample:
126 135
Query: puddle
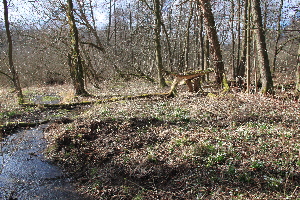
46 99
25 174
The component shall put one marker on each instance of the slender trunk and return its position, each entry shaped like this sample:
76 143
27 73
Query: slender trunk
298 72
202 52
75 62
277 36
238 39
187 37
109 22
213 39
207 56
168 46
157 30
233 56
242 62
265 72
248 39
12 69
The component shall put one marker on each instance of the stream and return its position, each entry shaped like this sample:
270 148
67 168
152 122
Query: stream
26 175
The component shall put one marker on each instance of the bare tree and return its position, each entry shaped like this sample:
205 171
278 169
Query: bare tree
265 72
15 77
298 71
241 68
213 39
278 36
75 62
157 31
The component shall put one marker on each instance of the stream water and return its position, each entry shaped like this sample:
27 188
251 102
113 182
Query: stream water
25 174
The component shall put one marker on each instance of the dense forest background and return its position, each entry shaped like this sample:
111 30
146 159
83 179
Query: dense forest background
117 39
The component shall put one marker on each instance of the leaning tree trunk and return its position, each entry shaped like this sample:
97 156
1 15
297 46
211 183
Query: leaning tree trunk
75 62
12 69
213 39
157 30
263 59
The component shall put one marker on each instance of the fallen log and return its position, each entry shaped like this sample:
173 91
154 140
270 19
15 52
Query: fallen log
84 103
191 78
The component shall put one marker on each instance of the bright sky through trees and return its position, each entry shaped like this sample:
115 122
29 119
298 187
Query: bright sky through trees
33 12
30 12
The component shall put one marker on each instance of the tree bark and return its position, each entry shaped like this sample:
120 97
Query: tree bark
187 37
265 71
238 39
213 39
240 72
248 48
233 56
75 62
298 72
157 31
278 36
15 77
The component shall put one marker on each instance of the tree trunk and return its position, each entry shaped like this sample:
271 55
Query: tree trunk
202 50
213 39
187 37
242 61
278 36
265 72
298 72
15 77
248 48
238 39
75 62
233 56
157 30
207 56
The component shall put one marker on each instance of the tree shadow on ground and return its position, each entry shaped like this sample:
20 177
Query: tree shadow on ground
153 158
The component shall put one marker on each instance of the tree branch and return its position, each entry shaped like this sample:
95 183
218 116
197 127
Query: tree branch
10 78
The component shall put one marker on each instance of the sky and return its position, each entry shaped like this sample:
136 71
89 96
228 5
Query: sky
21 10
24 11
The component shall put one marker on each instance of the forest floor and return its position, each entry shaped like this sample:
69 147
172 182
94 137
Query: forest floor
217 146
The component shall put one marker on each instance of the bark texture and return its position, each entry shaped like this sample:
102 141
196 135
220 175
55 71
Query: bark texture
15 77
298 71
263 59
157 30
213 39
75 62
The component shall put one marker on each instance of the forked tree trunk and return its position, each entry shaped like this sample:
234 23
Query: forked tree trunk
263 59
213 39
75 62
15 77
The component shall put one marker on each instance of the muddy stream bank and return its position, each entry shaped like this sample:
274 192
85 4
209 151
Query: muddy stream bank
25 174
